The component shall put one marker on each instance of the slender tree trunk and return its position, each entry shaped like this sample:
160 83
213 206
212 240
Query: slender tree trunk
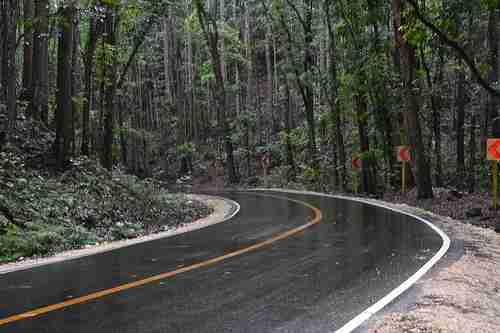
288 130
167 42
276 78
9 69
473 153
109 93
4 28
211 32
222 8
190 112
411 115
76 87
28 50
435 100
383 117
308 86
460 123
337 126
88 81
269 82
367 179
3 25
40 102
491 105
493 41
64 79
251 93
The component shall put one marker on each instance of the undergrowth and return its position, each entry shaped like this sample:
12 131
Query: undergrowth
41 214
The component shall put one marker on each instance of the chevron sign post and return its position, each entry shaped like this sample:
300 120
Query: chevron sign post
404 157
356 166
493 154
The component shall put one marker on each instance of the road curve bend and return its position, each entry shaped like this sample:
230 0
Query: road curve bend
288 262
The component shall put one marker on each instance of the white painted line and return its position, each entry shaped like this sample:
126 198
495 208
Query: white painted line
81 253
379 305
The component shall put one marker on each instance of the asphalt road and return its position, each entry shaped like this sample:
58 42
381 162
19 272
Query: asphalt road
312 281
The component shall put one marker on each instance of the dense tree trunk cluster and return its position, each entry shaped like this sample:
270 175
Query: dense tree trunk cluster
153 85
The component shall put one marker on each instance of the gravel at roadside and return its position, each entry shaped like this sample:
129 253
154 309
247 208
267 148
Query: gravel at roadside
460 295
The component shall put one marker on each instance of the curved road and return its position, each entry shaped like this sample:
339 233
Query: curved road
275 270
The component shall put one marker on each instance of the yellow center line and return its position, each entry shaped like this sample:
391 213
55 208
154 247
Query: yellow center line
100 294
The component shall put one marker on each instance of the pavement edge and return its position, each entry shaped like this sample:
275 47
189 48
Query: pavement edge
363 317
222 214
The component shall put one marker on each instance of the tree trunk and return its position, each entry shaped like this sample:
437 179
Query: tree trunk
76 79
28 50
411 115
435 100
288 130
211 32
40 102
64 80
251 93
88 80
336 119
308 87
491 105
269 82
167 50
461 100
9 70
473 153
367 179
110 88
493 58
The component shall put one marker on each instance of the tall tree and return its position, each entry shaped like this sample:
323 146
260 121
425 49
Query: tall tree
211 32
9 72
493 48
110 84
90 49
333 97
40 102
304 80
64 111
461 100
28 49
411 115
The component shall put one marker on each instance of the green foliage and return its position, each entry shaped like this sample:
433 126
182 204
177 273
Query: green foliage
84 206
186 150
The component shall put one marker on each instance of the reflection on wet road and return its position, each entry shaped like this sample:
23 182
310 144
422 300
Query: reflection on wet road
314 281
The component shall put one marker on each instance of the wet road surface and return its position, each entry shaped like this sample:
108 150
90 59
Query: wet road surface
314 281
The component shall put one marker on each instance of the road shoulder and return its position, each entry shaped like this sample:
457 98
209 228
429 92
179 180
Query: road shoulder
223 210
462 293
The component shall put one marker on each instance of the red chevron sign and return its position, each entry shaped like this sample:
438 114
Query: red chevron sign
493 150
356 163
403 154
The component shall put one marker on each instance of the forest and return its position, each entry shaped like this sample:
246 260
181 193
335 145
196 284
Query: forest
172 88
117 117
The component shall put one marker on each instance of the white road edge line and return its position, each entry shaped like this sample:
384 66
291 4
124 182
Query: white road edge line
81 253
357 321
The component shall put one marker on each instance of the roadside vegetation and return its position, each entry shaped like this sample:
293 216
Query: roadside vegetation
43 212
190 92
